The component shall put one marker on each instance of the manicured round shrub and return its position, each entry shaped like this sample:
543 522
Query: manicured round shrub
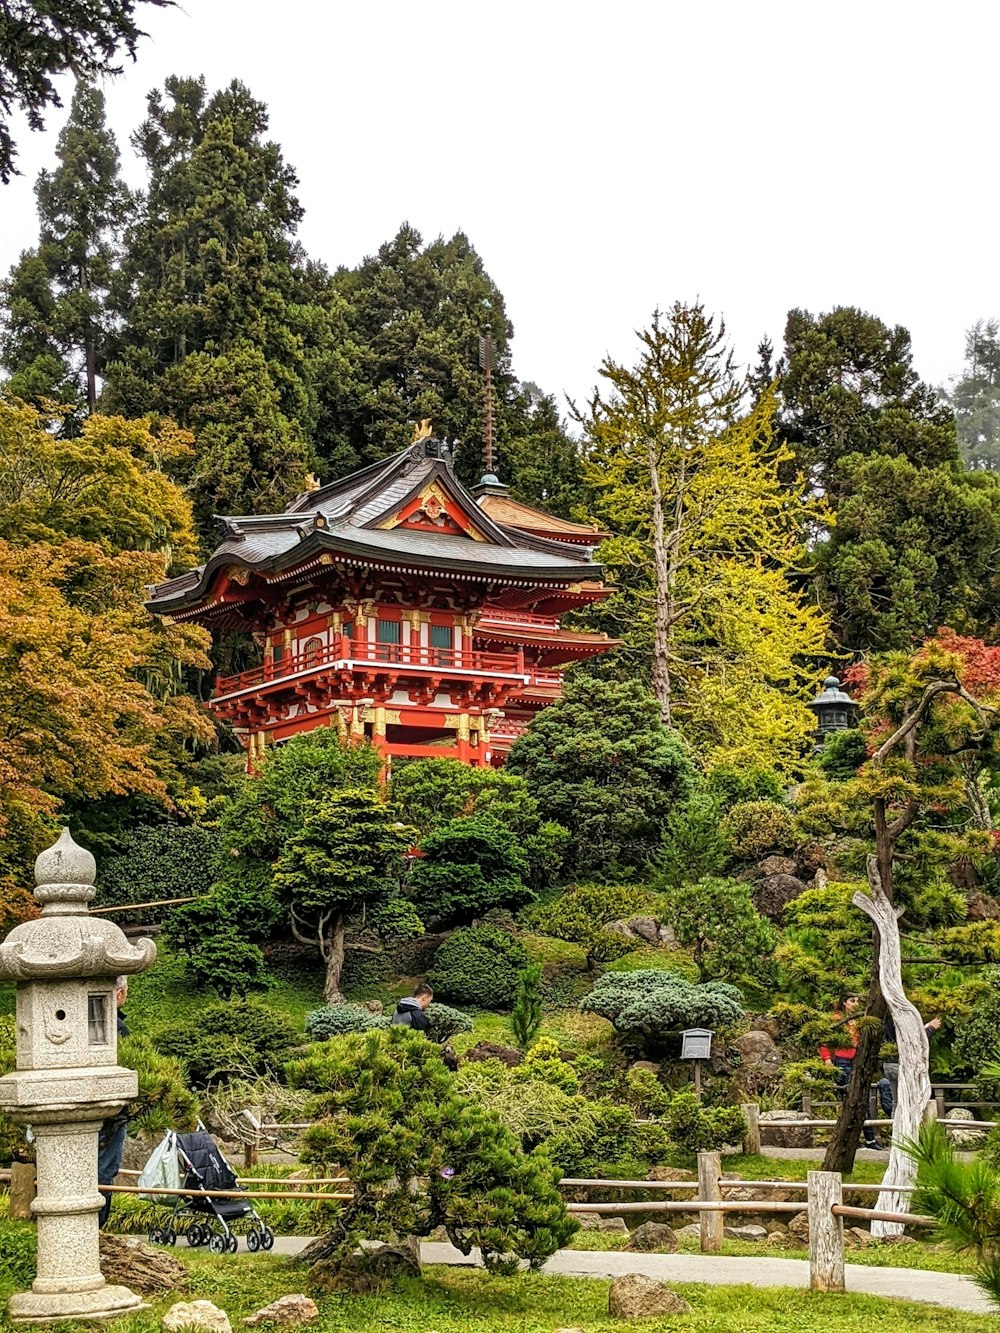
754 828
479 966
230 1038
336 1020
651 1005
443 1022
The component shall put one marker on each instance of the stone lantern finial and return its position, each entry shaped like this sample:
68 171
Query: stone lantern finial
64 877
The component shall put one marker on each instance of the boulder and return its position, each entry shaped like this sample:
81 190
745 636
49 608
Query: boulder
135 1154
391 1261
767 1023
491 1050
127 1261
748 1231
963 1138
621 928
636 1296
669 1173
646 927
785 1136
653 1236
690 1232
857 1238
651 1065
196 1314
983 908
798 1228
668 939
760 1058
776 865
772 895
599 1222
780 1240
373 1006
287 1310
810 858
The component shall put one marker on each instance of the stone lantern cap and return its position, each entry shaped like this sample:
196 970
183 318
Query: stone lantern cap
66 941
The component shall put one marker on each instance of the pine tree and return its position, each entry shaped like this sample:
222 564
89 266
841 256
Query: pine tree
57 294
976 397
217 326
526 1016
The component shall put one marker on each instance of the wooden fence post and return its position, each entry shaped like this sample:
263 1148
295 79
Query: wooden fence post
751 1139
807 1104
826 1231
709 1191
22 1191
939 1103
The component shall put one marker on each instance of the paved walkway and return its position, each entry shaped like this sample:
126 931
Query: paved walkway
912 1284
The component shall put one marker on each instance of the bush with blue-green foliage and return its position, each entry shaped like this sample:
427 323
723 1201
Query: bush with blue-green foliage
650 1007
337 1020
479 966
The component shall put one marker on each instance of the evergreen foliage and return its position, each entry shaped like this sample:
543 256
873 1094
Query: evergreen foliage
164 1101
975 397
336 1020
468 867
695 1128
444 1022
478 966
583 912
693 845
754 828
421 1155
56 296
236 1038
726 934
157 862
601 763
42 43
651 1006
526 1016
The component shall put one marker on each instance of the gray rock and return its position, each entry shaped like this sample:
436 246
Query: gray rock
646 927
690 1232
776 865
963 1138
196 1314
668 939
636 1296
617 1225
653 1236
748 1231
798 1228
651 1065
772 895
785 1136
621 928
759 1056
287 1310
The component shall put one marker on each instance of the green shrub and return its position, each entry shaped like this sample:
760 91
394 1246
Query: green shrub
692 844
695 1128
164 1101
17 1255
645 1093
157 861
731 786
977 1040
479 966
542 1064
336 1020
581 913
716 919
752 829
443 1021
12 1138
420 1154
526 1017
216 953
468 868
650 1006
229 1038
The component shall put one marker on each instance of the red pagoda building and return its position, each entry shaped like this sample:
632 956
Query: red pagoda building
397 606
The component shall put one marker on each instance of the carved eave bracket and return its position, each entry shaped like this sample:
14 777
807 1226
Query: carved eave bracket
29 956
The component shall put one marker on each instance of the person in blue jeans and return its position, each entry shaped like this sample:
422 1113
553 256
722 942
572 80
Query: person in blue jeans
111 1139
841 1056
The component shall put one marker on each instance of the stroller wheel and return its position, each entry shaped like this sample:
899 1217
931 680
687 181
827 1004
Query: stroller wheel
155 1237
169 1236
233 1245
193 1235
267 1238
253 1240
217 1244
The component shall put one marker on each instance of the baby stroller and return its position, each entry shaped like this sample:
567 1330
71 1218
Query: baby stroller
194 1162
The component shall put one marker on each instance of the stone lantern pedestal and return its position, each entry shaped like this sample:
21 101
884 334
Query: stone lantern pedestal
67 1080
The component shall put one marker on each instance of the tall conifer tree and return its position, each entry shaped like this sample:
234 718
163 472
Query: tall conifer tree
57 294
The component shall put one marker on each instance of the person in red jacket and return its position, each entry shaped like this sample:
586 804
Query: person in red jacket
840 1056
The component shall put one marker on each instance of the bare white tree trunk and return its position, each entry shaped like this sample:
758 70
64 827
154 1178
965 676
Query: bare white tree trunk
911 1040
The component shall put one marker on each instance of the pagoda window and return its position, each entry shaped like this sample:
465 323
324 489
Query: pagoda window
277 652
311 651
443 639
387 636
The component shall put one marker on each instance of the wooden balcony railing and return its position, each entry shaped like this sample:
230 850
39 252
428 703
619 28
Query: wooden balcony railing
420 658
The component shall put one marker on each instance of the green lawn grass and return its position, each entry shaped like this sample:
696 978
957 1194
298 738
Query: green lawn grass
460 1300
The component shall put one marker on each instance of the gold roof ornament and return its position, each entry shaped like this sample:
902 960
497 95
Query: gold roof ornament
311 482
422 431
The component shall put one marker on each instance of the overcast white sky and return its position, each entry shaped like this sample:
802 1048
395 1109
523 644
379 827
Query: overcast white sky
605 159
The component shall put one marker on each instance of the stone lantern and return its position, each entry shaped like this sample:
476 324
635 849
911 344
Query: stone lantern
67 1079
835 710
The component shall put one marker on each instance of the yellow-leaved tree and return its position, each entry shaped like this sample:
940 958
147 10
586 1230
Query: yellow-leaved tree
709 534
92 689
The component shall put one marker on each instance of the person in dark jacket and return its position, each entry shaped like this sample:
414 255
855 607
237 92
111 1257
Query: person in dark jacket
888 1087
111 1140
410 1011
